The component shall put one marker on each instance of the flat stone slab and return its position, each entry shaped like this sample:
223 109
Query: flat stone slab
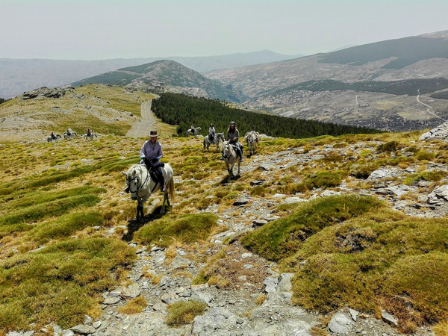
339 323
83 329
132 291
112 300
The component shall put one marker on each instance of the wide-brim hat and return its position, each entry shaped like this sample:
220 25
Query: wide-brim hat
153 134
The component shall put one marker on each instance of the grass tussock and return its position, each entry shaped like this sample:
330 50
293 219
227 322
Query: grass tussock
60 283
435 175
186 229
184 312
279 239
134 306
65 226
351 251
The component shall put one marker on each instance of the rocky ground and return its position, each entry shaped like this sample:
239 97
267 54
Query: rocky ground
163 279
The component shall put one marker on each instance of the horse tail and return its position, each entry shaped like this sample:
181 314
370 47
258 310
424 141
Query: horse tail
203 143
171 191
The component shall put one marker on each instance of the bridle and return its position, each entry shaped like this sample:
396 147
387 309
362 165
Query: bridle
136 179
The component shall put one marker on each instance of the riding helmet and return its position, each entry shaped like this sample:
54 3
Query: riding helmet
232 123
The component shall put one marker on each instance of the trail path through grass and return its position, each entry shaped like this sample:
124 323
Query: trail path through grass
148 122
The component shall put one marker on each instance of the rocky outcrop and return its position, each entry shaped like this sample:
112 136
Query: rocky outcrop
45 92
438 133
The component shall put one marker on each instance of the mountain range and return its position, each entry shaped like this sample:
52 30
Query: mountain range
20 75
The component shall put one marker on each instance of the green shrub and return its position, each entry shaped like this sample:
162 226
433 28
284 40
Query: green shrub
435 175
390 146
65 226
60 283
424 155
324 179
187 228
44 210
281 238
184 312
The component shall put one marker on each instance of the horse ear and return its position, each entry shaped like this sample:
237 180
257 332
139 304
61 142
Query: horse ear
124 173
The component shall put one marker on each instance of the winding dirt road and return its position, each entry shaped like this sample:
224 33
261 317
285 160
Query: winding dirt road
429 108
148 122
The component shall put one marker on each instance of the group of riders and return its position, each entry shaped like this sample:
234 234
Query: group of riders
151 151
232 136
68 132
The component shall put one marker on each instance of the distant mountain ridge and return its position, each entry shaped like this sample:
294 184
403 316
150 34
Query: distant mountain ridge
392 85
20 75
165 75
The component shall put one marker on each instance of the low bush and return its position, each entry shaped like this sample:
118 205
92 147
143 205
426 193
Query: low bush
184 312
186 229
435 175
281 238
65 226
60 283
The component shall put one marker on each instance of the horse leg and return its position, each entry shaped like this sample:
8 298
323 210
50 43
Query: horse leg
139 210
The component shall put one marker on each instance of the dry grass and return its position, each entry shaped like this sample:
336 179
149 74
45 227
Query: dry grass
134 306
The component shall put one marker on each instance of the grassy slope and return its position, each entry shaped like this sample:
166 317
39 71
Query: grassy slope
104 109
338 235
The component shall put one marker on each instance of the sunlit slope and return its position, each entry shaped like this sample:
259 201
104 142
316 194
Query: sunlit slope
105 109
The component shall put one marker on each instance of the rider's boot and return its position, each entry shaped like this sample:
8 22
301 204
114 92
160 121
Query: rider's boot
241 155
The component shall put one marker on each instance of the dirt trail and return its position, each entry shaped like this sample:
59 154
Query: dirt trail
148 122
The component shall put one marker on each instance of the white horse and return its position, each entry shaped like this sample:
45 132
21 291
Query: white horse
219 137
68 134
230 158
141 185
252 139
90 137
194 131
57 137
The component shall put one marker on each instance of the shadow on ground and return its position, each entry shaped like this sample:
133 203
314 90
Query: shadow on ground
134 224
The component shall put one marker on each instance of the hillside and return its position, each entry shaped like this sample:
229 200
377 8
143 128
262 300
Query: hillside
403 61
66 228
165 75
20 75
105 109
317 236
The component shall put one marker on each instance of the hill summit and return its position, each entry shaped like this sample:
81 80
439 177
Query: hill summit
162 76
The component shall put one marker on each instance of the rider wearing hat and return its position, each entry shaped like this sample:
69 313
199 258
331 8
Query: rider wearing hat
150 154
211 132
232 136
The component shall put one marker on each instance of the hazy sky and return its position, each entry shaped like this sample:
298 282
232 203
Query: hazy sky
104 29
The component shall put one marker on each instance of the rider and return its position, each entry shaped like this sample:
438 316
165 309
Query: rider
52 135
68 132
232 136
211 132
89 132
150 154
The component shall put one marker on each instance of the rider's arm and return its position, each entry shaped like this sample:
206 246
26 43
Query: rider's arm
142 151
159 152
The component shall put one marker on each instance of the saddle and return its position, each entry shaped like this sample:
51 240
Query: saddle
153 172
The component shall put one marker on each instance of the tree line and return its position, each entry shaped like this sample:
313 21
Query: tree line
184 111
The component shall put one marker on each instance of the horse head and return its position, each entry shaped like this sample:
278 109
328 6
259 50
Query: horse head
134 181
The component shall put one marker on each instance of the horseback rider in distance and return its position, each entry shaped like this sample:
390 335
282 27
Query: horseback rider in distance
211 132
150 154
89 132
232 136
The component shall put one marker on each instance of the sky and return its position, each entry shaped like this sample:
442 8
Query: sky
107 29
